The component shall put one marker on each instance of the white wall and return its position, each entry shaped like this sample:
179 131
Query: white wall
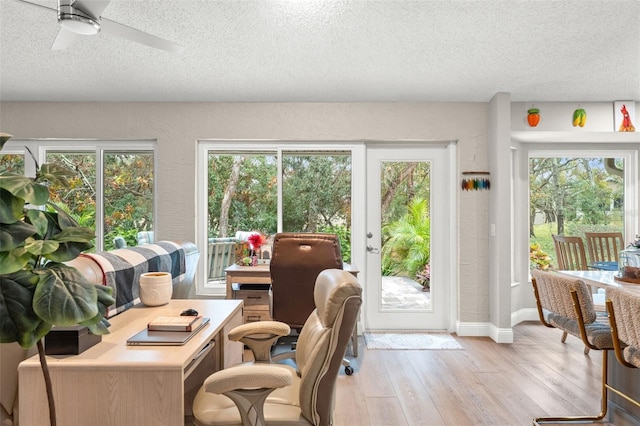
177 127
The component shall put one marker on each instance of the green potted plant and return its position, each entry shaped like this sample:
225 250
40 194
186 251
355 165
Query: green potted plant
37 290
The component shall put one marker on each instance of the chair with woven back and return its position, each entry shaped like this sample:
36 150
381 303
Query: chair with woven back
566 303
570 253
571 257
623 307
604 246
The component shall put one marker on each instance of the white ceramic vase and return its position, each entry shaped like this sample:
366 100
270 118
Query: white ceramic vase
155 288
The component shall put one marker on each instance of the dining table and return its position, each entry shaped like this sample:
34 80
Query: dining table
602 279
626 379
604 266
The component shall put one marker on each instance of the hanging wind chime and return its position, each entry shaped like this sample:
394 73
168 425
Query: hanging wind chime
475 181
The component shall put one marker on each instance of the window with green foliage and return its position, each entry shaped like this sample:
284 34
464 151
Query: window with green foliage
126 192
112 191
315 193
571 196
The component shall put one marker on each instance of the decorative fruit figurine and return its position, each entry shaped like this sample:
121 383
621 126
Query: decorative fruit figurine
579 117
533 117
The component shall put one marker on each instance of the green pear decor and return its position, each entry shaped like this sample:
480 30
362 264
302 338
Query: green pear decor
38 290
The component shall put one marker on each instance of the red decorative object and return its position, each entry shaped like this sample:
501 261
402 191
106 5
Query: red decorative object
533 117
626 125
255 241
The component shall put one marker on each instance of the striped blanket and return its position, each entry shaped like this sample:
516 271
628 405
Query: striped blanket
122 269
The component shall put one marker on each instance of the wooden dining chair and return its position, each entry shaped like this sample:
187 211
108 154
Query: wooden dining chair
604 246
570 253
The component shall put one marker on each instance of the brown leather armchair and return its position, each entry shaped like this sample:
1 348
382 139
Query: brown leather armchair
297 260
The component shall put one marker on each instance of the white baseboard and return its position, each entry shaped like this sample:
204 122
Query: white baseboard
526 314
485 329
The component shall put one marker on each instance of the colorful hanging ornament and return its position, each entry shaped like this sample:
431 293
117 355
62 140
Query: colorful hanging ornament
475 183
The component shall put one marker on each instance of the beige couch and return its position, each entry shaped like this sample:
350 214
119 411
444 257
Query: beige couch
120 269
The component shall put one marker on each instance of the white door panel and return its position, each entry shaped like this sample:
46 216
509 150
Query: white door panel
394 303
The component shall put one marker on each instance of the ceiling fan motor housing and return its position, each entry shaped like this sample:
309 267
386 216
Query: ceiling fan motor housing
75 20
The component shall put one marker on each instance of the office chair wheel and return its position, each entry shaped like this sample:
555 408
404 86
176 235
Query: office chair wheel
348 370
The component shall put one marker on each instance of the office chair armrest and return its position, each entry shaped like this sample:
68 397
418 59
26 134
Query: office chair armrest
249 377
274 328
248 386
259 337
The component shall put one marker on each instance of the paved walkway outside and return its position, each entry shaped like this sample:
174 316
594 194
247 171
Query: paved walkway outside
403 293
397 293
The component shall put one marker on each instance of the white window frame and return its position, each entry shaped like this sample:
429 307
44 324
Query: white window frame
629 153
39 148
357 150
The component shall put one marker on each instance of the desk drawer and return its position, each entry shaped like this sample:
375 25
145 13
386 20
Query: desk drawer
255 300
256 315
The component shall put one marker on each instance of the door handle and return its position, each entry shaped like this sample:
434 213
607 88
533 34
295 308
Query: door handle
373 250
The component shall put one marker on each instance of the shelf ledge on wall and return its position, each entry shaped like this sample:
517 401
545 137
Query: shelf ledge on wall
576 137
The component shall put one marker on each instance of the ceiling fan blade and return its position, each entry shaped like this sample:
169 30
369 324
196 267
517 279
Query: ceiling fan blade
38 5
91 7
123 31
63 39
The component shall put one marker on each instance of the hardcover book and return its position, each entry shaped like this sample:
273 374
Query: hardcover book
174 323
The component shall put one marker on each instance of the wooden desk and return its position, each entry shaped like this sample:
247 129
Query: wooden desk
115 384
259 274
626 379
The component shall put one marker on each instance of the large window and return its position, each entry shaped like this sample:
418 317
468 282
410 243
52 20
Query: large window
278 189
570 188
571 196
112 191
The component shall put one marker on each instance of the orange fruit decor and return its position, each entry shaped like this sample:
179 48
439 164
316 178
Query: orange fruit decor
533 117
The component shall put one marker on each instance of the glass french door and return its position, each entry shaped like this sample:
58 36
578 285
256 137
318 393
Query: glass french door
409 238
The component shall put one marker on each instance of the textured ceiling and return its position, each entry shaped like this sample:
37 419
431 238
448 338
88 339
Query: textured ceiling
331 51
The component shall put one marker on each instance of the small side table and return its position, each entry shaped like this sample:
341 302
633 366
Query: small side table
257 301
258 274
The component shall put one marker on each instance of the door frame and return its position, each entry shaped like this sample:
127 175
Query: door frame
450 317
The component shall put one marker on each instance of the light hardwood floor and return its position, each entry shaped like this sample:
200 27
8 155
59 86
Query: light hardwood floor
484 384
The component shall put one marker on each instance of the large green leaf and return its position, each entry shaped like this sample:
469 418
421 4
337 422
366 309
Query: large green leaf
99 324
63 297
14 235
41 247
25 188
55 173
64 219
38 219
18 320
75 235
68 251
10 207
14 260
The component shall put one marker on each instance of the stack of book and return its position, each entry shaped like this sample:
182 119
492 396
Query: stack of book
175 323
